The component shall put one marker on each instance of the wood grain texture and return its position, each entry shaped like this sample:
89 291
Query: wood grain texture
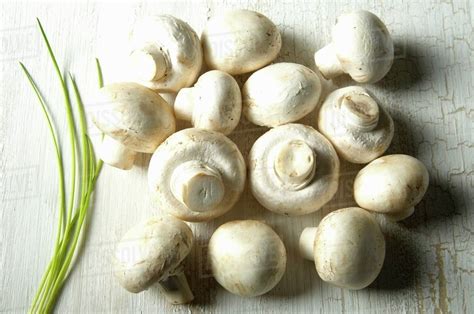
429 92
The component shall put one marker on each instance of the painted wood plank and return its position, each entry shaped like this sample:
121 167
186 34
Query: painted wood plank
429 92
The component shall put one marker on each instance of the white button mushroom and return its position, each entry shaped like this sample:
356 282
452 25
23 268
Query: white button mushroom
197 175
134 119
356 125
214 103
154 251
280 93
240 41
348 248
247 257
293 170
361 47
391 185
166 53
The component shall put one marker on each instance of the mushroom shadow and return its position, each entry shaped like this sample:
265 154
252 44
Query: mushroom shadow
142 161
344 196
438 206
242 78
407 69
439 202
245 134
402 142
199 274
300 277
344 80
295 49
400 266
181 125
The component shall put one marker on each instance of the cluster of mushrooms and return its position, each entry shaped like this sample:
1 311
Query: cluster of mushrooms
198 174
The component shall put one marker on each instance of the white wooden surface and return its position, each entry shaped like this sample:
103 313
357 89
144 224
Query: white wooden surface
429 91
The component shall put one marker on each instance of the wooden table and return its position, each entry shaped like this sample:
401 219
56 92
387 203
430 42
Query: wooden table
429 92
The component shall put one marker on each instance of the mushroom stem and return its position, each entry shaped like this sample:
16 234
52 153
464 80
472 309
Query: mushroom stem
115 154
148 64
295 164
360 111
176 289
401 215
184 104
306 243
327 62
197 186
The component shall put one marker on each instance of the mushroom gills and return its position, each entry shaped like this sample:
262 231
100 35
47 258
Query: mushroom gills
196 174
293 170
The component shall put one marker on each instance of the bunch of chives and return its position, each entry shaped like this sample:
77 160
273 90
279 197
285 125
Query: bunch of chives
84 170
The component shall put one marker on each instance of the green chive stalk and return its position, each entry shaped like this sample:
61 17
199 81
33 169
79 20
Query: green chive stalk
73 208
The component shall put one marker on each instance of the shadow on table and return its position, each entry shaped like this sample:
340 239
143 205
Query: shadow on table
407 69
401 263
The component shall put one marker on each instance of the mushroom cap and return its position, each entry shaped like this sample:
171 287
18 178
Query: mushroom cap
240 41
247 257
391 184
266 185
151 251
354 144
349 248
213 149
280 93
180 45
134 115
363 46
217 102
